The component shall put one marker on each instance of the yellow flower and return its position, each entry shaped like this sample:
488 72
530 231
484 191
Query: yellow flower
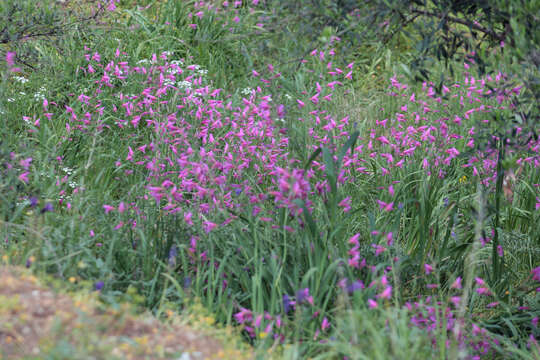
463 179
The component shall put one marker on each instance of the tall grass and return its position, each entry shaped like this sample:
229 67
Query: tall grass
176 157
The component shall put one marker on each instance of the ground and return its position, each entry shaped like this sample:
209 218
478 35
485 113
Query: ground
39 322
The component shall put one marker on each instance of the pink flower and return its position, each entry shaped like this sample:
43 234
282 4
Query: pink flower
536 273
385 206
108 208
455 300
483 291
122 207
209 226
479 281
325 324
354 239
428 269
372 304
25 163
457 283
243 316
386 294
24 177
187 218
10 58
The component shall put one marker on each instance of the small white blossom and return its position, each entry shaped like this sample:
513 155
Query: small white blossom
246 91
20 79
184 84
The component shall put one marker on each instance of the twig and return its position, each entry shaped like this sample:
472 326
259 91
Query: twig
472 25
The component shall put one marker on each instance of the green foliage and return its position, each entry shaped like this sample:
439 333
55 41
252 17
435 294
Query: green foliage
251 263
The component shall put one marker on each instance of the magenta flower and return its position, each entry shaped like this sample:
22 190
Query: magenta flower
386 294
24 177
479 281
188 218
346 204
10 58
428 269
209 226
536 273
354 239
244 315
457 283
326 324
385 206
483 291
303 296
108 208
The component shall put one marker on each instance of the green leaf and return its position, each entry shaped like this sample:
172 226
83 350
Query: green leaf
312 158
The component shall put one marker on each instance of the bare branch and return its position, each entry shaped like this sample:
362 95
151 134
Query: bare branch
470 24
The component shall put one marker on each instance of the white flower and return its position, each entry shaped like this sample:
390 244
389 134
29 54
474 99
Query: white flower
203 72
20 79
10 100
246 91
184 84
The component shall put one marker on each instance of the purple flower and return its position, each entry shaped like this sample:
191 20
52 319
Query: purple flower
173 251
536 273
244 315
355 286
286 303
98 285
48 207
303 296
33 201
